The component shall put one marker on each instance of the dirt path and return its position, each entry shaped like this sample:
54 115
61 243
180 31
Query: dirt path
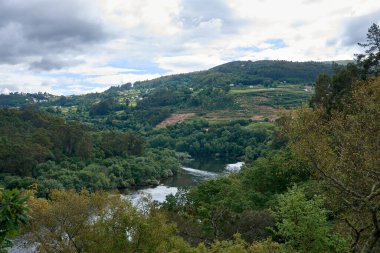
175 118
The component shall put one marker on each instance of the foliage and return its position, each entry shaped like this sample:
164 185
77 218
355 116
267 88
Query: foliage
271 175
19 99
105 106
335 143
13 212
303 224
240 246
110 173
29 136
245 73
369 62
36 147
200 139
219 208
330 93
343 151
98 222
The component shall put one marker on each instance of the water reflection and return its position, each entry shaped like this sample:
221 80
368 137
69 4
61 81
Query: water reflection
192 173
200 173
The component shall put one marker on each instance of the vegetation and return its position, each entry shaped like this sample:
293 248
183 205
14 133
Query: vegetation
13 213
304 226
36 147
310 182
244 73
343 151
98 222
201 139
145 104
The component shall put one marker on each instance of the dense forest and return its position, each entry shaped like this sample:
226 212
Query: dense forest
37 147
310 182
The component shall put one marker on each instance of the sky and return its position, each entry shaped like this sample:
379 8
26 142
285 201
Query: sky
81 46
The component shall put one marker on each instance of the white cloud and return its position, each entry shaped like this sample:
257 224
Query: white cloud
188 63
142 39
154 18
118 79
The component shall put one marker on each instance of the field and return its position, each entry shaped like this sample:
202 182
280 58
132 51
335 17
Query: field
254 103
258 104
176 118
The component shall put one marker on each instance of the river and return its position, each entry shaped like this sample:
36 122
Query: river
191 173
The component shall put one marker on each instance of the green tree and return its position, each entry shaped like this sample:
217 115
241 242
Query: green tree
343 152
370 61
237 245
98 222
303 224
323 91
271 175
13 212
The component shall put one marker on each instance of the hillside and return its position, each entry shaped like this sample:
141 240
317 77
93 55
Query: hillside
268 156
233 91
266 73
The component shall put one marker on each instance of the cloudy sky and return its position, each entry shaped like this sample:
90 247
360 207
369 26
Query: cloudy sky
80 46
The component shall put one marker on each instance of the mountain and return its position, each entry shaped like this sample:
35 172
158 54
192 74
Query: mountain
266 73
233 91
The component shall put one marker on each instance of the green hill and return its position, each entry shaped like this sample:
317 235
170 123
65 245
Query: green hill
232 91
244 73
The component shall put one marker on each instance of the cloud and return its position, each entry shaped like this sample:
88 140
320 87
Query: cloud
197 13
355 29
49 63
76 46
188 63
39 28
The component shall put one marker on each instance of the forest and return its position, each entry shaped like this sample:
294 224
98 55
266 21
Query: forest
310 183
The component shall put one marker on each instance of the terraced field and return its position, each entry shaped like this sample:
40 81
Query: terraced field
261 103
258 104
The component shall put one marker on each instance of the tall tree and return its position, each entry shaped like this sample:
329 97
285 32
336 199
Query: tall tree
323 91
344 154
370 61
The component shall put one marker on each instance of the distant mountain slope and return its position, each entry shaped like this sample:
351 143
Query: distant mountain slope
265 73
232 91
18 99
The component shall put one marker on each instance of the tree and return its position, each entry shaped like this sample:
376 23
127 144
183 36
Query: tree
323 91
272 175
99 222
13 212
370 61
237 245
330 92
344 155
303 224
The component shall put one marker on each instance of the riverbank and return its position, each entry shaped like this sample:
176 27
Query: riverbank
186 177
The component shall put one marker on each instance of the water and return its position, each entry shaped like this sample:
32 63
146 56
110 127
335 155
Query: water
200 173
234 167
191 173
157 193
